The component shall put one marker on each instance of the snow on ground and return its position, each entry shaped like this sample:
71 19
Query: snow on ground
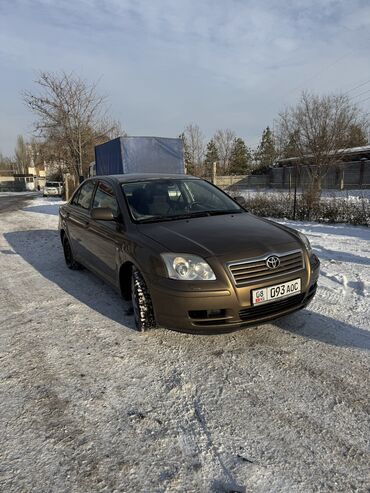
326 194
16 194
346 194
89 404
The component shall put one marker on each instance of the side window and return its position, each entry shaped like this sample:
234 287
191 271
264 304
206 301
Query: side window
104 197
75 198
84 197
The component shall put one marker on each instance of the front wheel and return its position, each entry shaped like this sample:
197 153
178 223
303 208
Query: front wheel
68 256
141 302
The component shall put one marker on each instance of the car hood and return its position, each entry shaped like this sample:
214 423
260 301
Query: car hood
232 236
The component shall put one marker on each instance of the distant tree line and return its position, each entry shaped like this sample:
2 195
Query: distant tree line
26 154
230 153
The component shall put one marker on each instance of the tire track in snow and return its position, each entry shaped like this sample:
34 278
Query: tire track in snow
197 443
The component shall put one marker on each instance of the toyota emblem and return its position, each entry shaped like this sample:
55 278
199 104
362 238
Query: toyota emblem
273 262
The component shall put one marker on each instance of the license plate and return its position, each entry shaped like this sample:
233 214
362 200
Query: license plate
272 293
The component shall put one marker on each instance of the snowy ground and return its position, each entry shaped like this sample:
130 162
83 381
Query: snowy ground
88 404
326 194
17 194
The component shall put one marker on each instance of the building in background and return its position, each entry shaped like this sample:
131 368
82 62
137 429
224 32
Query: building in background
22 182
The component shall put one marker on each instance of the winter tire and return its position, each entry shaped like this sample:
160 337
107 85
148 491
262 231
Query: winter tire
68 256
141 302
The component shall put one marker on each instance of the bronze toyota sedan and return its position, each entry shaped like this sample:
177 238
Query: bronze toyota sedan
188 256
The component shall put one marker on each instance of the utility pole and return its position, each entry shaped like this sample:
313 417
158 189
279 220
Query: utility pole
214 171
295 191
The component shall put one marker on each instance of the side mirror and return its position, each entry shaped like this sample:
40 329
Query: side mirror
241 200
102 214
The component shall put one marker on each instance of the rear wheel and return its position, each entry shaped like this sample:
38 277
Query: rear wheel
68 255
141 302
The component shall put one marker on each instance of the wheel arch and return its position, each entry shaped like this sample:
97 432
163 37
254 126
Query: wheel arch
125 279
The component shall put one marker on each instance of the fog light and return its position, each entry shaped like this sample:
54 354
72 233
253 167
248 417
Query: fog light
205 314
214 313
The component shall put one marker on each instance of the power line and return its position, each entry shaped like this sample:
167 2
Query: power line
366 99
361 93
328 67
357 87
324 68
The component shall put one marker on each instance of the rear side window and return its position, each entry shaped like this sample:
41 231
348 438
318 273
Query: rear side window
104 197
85 195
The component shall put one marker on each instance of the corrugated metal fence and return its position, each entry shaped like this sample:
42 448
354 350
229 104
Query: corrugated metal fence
351 175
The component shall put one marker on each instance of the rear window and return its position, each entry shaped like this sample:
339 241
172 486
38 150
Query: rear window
52 184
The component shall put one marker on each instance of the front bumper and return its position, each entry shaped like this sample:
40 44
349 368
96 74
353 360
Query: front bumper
54 193
223 310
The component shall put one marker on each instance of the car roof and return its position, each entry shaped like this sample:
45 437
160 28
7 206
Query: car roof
133 177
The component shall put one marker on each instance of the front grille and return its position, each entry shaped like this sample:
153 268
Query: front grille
272 308
252 271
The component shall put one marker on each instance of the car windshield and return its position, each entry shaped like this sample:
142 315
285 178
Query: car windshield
52 184
169 199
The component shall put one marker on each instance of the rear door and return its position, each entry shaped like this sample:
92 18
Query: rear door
78 220
106 237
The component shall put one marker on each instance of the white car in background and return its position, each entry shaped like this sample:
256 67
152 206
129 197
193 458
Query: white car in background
53 188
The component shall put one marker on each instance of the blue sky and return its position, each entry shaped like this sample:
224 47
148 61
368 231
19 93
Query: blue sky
166 63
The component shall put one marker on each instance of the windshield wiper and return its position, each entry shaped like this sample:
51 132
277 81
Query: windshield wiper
220 212
189 215
155 219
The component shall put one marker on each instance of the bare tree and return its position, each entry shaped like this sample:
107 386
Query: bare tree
224 140
320 127
21 155
71 117
6 163
194 148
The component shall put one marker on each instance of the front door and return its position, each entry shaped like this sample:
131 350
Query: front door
106 237
78 219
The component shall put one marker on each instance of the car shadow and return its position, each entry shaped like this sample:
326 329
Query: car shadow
42 249
310 325
313 325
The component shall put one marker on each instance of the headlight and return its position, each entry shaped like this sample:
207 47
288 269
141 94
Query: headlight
187 267
306 241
